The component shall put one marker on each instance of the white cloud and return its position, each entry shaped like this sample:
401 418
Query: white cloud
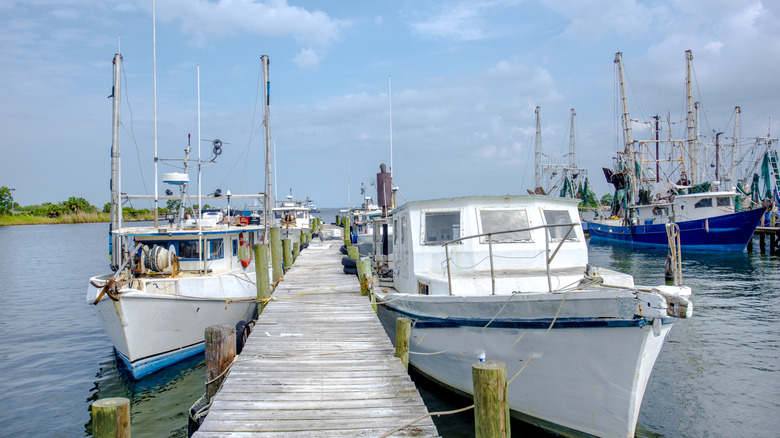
275 18
307 58
463 21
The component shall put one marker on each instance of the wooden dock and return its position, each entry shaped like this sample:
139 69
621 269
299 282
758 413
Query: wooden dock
318 363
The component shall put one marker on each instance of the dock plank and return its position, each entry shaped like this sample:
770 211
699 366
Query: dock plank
318 363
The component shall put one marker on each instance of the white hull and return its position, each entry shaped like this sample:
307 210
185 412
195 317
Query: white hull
153 330
580 379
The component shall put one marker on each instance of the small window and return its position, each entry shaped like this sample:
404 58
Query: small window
723 201
403 230
505 220
215 249
235 247
396 231
442 227
422 288
188 249
705 202
555 217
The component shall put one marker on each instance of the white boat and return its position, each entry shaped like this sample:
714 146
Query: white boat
172 280
292 216
507 278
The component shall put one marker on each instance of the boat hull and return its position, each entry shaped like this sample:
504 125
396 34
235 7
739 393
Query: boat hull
583 377
730 232
151 331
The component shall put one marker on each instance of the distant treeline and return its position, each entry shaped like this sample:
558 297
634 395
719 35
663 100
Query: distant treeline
71 211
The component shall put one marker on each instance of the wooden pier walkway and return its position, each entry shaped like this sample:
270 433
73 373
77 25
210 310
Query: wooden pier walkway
318 363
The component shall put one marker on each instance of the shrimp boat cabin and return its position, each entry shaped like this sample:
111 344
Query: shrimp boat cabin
507 278
174 284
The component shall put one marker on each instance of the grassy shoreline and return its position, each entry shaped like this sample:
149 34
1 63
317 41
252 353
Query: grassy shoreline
74 218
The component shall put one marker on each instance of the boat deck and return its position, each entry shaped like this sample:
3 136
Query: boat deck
318 363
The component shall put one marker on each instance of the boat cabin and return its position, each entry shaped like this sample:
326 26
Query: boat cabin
685 208
487 245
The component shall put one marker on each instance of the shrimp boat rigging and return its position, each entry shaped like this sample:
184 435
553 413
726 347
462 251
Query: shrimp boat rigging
171 281
650 194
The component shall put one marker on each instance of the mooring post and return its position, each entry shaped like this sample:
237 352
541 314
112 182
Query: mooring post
347 234
353 252
761 243
220 351
111 418
403 331
364 275
262 278
287 254
297 249
491 407
276 254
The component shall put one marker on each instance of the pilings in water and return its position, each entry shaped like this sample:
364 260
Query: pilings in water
774 240
491 399
287 254
276 253
403 332
111 418
220 351
261 271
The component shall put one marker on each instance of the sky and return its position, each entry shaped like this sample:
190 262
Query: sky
446 90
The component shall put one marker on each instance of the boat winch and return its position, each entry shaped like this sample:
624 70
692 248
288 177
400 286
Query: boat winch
157 259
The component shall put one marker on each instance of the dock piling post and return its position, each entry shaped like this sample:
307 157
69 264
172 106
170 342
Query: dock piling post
364 275
353 252
287 254
297 248
491 406
220 351
276 254
403 331
347 234
111 418
261 272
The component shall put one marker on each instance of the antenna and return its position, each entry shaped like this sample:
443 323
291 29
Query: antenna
154 74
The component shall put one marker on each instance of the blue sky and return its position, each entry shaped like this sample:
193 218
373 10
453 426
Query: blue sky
466 77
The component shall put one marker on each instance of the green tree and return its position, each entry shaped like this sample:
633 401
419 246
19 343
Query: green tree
107 208
606 199
172 206
6 200
76 204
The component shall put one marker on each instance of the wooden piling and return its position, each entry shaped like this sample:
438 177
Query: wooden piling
262 280
491 405
297 249
353 253
364 275
111 418
347 234
761 243
403 331
287 254
276 253
220 351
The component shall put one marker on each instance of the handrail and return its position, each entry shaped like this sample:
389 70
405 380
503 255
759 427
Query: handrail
490 250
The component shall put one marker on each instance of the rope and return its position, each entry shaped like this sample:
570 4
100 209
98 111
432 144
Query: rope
556 315
431 414
209 382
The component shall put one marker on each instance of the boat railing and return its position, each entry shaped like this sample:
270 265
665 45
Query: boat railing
548 257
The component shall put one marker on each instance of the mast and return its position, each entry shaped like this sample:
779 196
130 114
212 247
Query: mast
390 104
538 153
734 147
572 156
116 202
627 136
154 89
269 199
690 122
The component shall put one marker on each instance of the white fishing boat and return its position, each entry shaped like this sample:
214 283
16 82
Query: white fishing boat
172 280
507 278
292 216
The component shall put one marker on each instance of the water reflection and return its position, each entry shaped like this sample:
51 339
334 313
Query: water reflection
159 402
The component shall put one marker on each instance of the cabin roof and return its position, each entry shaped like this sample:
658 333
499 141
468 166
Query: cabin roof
488 200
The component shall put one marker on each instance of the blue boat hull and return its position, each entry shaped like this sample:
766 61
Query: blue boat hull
730 232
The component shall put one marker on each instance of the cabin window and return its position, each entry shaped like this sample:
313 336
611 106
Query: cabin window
556 217
723 201
403 230
215 249
423 288
494 221
442 226
235 247
395 234
188 249
705 202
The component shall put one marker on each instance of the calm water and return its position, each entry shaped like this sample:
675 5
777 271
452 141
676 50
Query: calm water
718 374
